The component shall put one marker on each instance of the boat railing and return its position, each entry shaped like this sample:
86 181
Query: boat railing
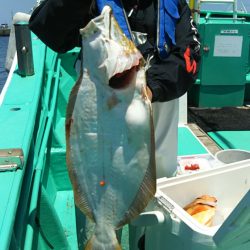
197 7
47 116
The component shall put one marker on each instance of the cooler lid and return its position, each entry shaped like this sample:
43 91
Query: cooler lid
236 228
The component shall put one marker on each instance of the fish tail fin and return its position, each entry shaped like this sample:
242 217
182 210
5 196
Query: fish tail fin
103 240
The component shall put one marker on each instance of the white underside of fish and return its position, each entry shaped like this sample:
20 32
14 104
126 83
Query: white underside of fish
109 132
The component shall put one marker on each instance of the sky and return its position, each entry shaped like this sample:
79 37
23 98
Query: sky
10 7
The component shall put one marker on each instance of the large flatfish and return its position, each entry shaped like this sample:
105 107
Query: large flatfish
109 132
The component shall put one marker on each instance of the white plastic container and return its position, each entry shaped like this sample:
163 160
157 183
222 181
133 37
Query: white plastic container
230 184
203 161
232 155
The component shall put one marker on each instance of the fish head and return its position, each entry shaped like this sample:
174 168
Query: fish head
114 57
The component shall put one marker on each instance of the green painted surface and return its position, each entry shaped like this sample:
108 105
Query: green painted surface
188 144
247 90
248 77
220 95
16 130
29 218
67 80
58 169
225 61
232 139
41 151
65 208
50 225
224 69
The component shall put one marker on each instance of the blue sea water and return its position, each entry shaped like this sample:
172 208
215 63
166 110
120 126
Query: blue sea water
3 50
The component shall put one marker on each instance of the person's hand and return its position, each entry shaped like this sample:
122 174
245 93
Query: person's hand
149 93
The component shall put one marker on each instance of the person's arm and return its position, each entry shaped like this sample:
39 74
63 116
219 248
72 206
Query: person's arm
57 22
171 78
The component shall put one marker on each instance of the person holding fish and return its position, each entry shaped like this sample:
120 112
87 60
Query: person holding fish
165 34
156 63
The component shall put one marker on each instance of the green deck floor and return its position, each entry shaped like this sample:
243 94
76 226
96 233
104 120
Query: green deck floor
188 144
67 215
232 139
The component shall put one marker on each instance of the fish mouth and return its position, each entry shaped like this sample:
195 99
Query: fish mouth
123 79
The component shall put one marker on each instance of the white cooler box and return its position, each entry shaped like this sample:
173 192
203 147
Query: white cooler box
168 226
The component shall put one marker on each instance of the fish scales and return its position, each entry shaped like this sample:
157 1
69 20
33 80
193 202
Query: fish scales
109 132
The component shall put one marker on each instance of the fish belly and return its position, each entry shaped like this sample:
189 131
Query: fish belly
109 130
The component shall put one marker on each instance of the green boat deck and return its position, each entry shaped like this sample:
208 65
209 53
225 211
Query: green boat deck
232 139
188 143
